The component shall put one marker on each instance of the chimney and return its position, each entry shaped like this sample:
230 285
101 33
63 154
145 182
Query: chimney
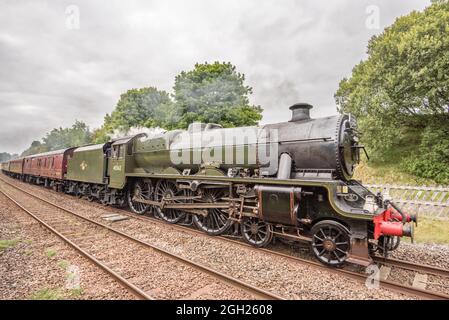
300 112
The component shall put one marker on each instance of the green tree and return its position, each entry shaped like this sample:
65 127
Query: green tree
77 135
145 107
400 93
36 147
213 93
102 134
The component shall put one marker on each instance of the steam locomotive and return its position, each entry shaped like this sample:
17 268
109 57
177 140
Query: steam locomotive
290 180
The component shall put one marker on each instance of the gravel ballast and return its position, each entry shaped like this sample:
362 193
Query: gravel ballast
38 265
158 275
279 275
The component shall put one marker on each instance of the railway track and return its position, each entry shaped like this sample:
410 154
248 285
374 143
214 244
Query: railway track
397 287
417 267
74 228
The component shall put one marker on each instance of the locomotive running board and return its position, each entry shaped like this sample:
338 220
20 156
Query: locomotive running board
359 252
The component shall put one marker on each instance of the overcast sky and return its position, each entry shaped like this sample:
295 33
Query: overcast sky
67 60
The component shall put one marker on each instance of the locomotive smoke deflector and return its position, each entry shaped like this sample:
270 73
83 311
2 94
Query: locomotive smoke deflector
300 112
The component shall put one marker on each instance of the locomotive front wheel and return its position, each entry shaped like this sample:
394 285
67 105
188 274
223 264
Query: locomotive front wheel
139 189
166 189
256 232
217 221
330 242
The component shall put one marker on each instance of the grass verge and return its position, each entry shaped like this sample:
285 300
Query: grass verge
388 173
432 230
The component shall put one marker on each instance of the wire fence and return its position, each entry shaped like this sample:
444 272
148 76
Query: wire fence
428 201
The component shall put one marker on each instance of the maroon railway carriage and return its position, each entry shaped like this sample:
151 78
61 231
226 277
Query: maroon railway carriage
47 168
16 167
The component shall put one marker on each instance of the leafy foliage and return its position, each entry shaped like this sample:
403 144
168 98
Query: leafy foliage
140 107
400 94
432 158
78 135
145 107
213 93
208 93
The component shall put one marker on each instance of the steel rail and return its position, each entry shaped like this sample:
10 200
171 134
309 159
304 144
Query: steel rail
397 287
128 285
253 290
413 266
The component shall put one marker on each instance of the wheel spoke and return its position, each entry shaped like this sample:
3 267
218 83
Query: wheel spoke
322 232
335 237
221 216
214 221
335 254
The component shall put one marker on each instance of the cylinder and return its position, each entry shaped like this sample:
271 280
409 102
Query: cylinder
285 166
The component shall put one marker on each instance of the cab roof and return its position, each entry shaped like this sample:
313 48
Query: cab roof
127 139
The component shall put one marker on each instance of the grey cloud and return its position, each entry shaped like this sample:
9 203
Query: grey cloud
290 51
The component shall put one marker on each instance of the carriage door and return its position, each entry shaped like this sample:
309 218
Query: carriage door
116 166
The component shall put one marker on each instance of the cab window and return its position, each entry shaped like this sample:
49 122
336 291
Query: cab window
118 151
121 153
